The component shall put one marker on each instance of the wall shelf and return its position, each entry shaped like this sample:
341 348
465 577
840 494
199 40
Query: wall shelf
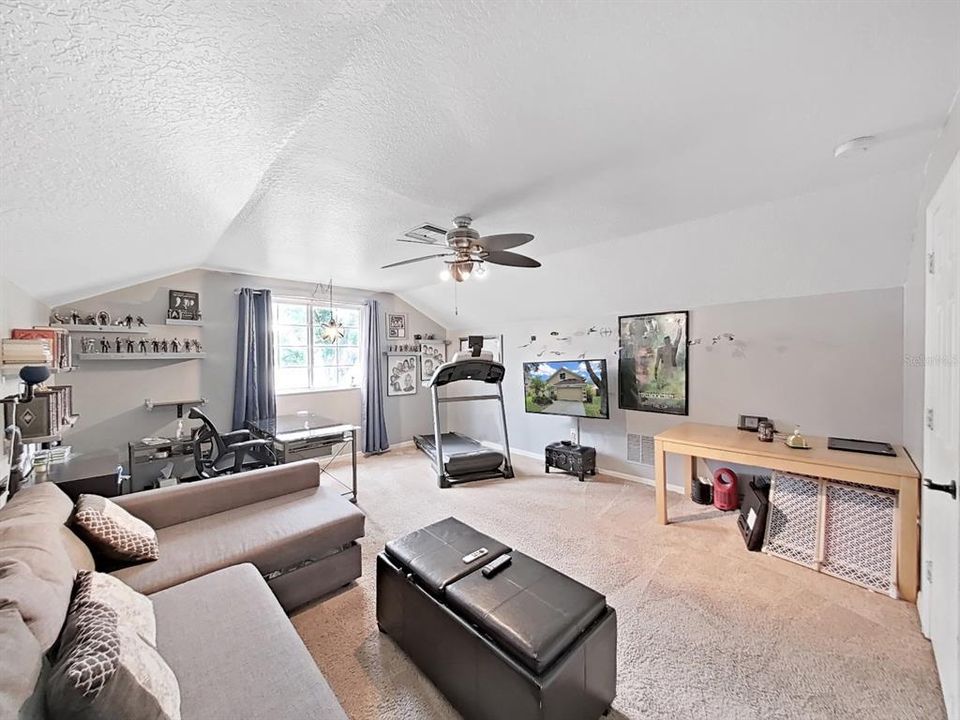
142 356
104 330
189 323
179 404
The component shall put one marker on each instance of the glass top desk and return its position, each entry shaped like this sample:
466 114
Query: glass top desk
309 435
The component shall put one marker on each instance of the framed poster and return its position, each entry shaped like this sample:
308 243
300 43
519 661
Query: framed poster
493 343
401 374
433 354
183 305
396 326
653 371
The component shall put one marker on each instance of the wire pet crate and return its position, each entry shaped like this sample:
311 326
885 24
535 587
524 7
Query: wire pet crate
793 518
860 536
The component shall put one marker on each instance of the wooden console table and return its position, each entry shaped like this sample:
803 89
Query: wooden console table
727 444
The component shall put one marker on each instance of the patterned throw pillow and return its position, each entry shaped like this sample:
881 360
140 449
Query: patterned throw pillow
105 670
133 609
113 531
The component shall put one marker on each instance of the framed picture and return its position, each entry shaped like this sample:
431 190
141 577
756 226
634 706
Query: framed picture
396 326
433 354
653 370
493 343
183 305
401 374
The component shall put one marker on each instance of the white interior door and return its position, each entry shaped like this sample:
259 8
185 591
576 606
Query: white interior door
940 515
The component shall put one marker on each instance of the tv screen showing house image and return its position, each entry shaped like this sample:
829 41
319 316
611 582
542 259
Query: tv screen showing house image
567 387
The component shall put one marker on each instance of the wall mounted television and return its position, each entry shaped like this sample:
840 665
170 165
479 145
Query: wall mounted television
576 388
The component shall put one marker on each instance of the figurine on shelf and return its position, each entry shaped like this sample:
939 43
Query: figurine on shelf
140 322
103 318
130 347
142 345
175 345
104 345
128 321
197 347
87 345
156 345
90 320
57 318
75 317
119 345
164 347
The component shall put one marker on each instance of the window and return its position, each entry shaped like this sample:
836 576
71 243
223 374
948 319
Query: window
304 360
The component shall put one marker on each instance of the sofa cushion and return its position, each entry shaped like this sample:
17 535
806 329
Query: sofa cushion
239 659
36 576
168 506
113 531
46 504
273 535
133 609
21 663
105 670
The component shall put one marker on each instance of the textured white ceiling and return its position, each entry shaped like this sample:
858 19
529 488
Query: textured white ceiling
298 139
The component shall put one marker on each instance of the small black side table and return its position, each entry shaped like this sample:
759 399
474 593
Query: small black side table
578 460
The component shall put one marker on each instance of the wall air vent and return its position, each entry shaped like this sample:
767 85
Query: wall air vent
426 234
640 449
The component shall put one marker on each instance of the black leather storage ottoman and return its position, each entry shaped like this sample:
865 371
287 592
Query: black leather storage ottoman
528 642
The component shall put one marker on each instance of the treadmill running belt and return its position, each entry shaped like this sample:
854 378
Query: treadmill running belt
461 455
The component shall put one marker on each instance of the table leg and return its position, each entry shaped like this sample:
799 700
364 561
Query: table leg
660 481
353 461
689 466
908 542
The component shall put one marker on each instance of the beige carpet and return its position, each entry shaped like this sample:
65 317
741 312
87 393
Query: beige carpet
706 629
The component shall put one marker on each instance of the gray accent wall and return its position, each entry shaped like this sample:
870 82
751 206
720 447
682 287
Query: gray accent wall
830 363
110 394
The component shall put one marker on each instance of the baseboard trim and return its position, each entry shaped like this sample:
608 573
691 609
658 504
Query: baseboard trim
601 471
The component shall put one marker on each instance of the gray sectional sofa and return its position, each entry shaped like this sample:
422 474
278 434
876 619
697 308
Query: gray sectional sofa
235 553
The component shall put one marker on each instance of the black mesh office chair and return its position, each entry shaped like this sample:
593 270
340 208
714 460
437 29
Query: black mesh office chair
217 454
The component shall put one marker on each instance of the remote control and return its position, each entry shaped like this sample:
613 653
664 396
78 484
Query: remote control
495 566
474 555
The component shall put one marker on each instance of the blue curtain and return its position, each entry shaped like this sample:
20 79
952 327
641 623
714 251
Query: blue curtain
254 396
371 385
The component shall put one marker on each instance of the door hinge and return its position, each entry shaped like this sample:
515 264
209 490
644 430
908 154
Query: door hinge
931 262
929 418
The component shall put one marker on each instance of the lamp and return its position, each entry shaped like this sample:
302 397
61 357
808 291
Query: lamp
33 375
332 330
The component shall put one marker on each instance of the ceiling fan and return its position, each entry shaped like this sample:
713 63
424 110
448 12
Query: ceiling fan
468 252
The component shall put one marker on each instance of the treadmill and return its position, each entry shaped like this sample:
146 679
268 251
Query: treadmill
461 458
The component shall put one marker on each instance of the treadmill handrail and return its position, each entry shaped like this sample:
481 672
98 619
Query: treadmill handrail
476 369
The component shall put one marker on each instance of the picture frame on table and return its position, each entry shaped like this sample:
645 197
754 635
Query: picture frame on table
433 354
401 374
653 367
396 326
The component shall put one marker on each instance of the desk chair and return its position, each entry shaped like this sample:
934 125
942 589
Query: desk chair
216 453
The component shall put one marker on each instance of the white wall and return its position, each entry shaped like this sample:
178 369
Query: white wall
110 395
941 157
830 363
17 310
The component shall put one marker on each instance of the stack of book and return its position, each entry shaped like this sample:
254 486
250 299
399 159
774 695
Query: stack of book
58 338
26 351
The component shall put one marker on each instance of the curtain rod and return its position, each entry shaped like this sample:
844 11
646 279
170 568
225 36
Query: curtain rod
291 296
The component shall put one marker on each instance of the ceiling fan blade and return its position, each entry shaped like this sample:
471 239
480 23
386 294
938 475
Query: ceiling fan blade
504 257
506 241
415 260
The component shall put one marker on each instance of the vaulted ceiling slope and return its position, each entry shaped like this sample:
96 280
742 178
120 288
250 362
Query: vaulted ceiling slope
669 147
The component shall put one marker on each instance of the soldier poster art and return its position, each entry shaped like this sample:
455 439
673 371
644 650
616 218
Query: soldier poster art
653 363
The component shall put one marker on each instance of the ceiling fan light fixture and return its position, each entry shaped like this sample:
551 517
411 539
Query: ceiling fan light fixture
445 275
481 272
461 269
